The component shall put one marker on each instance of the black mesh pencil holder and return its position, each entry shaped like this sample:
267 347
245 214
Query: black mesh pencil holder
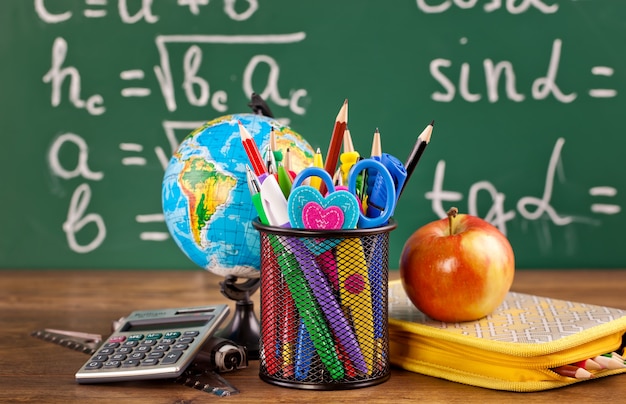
324 307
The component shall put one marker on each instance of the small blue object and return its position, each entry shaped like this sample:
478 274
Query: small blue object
383 196
397 170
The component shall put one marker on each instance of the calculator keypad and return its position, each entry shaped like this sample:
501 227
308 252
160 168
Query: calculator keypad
142 350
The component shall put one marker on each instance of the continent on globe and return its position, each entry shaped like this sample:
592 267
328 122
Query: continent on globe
206 189
206 202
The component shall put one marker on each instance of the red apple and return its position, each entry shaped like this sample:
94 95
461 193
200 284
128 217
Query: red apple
458 268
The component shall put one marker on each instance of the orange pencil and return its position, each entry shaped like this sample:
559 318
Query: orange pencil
334 148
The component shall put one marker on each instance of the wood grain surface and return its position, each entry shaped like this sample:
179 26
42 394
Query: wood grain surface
32 370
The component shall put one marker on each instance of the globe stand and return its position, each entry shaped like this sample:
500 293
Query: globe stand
244 328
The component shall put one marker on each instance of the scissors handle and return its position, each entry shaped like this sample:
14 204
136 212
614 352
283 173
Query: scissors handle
397 171
383 180
314 172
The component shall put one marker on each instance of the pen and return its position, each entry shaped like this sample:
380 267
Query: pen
274 202
334 147
270 160
355 294
420 145
310 313
252 151
255 188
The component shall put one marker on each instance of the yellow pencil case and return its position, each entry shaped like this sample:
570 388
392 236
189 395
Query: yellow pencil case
512 349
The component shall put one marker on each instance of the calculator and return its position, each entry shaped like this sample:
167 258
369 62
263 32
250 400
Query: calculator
152 344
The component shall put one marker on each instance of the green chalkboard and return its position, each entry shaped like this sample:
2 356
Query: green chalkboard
527 98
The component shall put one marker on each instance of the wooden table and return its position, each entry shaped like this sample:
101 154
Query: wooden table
32 370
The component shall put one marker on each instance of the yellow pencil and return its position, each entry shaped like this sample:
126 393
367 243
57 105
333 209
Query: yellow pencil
318 161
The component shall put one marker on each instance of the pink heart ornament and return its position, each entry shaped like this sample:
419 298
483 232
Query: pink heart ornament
314 216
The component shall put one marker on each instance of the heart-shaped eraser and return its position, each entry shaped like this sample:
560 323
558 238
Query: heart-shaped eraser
302 195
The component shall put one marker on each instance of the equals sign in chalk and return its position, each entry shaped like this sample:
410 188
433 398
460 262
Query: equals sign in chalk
152 235
602 92
605 208
132 161
135 74
91 13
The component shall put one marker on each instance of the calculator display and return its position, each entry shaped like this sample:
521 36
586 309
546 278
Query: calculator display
158 325
153 344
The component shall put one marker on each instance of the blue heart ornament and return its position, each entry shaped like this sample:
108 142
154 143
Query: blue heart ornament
304 194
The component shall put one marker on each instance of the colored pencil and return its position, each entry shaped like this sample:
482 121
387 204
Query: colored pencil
318 161
609 363
287 160
278 154
573 371
348 146
334 148
614 355
589 364
420 145
377 149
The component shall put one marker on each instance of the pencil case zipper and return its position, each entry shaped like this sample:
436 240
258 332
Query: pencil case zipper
516 364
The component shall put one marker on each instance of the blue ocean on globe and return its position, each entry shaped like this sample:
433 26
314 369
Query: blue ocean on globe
205 197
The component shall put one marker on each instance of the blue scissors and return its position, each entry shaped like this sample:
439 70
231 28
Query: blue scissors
385 181
376 190
386 191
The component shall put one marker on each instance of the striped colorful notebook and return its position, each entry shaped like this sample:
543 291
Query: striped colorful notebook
529 343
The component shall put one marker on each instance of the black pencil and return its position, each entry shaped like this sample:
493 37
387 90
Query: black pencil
420 145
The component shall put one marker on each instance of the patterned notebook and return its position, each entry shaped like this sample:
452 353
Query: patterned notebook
514 348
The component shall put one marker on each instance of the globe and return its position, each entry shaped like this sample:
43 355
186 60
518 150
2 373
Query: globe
205 197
